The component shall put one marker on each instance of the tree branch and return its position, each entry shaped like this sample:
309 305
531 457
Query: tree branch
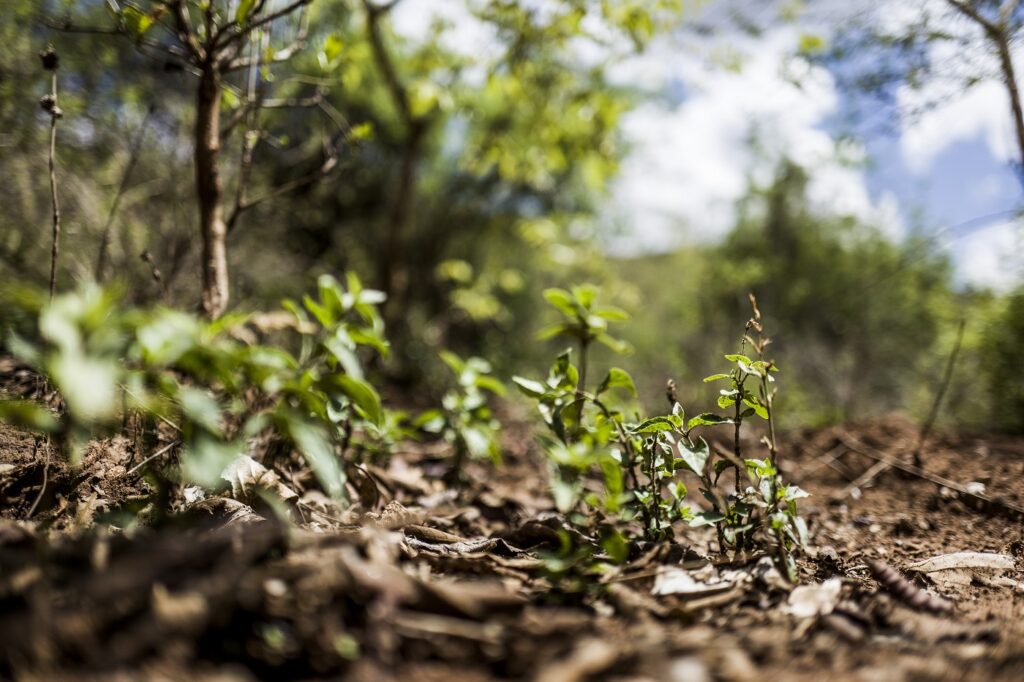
186 33
280 103
396 89
136 146
234 32
328 165
66 26
974 15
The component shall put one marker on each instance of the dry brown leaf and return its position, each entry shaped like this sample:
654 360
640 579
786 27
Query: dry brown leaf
247 476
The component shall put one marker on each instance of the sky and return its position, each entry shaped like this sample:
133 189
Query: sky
944 171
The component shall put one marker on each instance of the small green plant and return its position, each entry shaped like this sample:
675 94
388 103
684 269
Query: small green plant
213 382
464 419
585 433
640 460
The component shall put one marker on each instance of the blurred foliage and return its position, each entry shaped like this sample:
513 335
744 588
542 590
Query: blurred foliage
213 382
520 143
864 322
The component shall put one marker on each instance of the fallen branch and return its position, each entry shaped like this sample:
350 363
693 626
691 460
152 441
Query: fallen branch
868 451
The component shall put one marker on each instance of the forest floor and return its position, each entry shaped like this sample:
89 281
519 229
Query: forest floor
433 584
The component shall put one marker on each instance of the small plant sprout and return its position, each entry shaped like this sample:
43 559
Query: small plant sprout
464 419
641 460
584 322
751 394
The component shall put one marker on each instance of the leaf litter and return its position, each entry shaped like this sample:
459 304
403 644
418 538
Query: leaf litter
429 585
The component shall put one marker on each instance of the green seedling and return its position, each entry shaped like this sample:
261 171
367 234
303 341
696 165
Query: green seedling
641 460
465 419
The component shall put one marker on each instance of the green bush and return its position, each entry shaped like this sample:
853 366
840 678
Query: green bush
212 381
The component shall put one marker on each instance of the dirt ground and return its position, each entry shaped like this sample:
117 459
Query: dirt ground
425 583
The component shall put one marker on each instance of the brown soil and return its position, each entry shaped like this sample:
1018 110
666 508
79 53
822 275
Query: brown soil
429 585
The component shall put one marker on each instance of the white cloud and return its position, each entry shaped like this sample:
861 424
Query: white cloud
984 112
465 34
692 161
942 112
992 257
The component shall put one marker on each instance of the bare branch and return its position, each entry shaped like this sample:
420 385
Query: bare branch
235 33
325 169
974 15
399 96
49 104
280 103
1006 12
133 157
65 26
186 33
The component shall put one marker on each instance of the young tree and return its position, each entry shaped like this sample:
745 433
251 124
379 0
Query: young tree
214 40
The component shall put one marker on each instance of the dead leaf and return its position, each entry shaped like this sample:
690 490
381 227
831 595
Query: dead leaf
394 517
247 477
672 580
807 601
184 610
965 560
962 568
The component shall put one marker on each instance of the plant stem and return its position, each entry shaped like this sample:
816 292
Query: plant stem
54 115
738 419
584 347
937 404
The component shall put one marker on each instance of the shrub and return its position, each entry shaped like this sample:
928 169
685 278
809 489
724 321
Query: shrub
214 382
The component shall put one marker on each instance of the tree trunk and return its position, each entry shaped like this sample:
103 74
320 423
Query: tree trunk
1010 80
210 192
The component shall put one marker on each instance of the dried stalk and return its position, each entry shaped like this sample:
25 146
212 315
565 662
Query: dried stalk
937 404
51 63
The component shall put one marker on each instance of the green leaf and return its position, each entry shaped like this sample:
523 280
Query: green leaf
716 377
615 546
533 389
431 421
697 457
136 21
28 415
245 6
562 300
617 378
312 440
204 457
706 419
454 362
757 407
88 384
738 358
362 396
552 331
616 345
585 294
708 518
612 314
654 425
200 408
490 384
